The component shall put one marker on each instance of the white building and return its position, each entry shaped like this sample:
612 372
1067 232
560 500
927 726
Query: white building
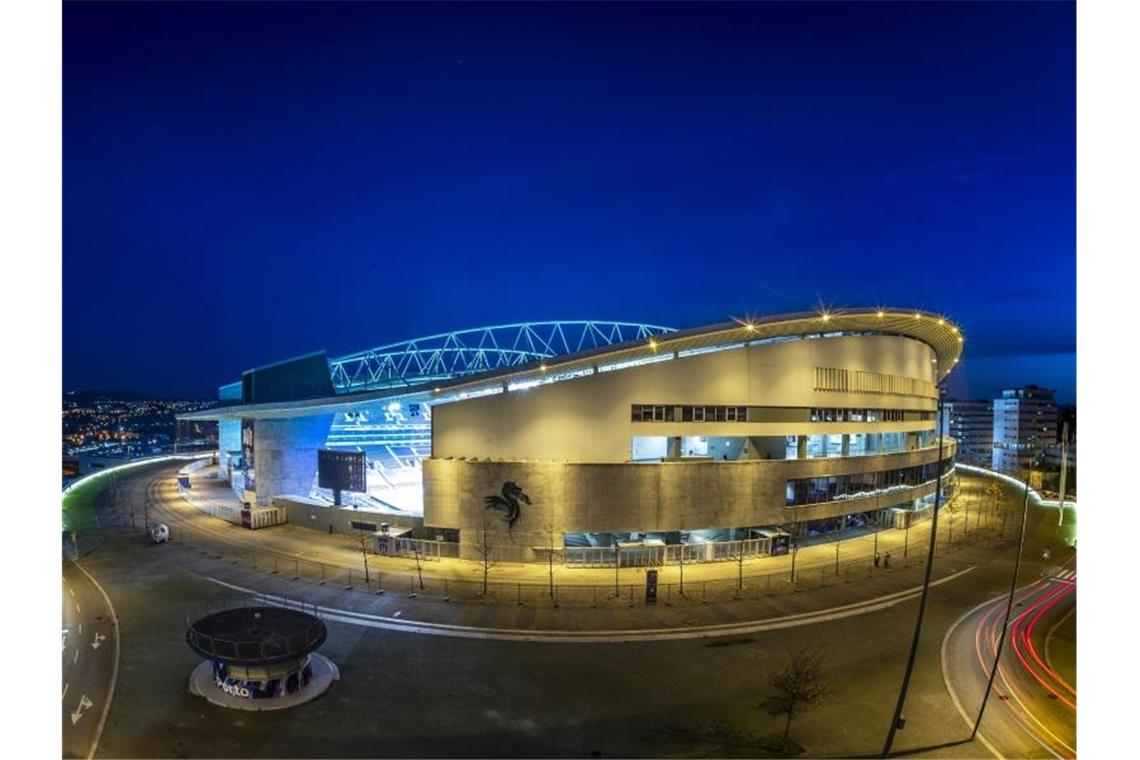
1025 422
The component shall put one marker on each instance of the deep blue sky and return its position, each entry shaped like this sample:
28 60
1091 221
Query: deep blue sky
247 182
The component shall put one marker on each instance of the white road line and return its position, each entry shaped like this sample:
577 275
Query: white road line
72 592
77 610
946 681
75 659
114 671
66 686
81 629
603 637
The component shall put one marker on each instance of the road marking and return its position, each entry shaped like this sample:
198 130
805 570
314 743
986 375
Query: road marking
77 713
398 613
946 681
77 610
115 669
66 686
99 638
75 659
81 629
72 592
602 637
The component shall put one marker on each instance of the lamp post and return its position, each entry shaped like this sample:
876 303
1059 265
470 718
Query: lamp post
1008 610
896 718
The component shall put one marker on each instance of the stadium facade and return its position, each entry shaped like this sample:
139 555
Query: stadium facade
595 439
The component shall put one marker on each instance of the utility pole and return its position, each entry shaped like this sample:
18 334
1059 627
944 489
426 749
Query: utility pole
1064 473
895 719
1008 610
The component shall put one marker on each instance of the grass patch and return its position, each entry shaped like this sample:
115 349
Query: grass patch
79 503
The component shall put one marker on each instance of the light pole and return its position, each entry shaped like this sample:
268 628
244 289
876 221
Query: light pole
1008 610
895 719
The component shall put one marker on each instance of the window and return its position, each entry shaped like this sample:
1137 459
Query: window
815 490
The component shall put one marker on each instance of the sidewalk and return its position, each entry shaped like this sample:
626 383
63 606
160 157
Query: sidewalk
335 560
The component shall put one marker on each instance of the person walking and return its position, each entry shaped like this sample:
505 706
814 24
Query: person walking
887 560
876 559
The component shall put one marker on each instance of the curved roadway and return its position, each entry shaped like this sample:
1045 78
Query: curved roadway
1032 708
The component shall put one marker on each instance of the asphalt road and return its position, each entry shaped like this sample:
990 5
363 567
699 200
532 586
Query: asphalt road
1031 712
90 659
410 695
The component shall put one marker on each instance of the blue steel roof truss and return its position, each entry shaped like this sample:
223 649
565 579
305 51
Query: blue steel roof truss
483 349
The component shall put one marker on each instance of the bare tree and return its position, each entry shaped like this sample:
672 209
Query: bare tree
798 687
415 542
485 549
997 499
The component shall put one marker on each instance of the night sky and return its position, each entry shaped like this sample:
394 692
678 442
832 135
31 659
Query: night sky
243 183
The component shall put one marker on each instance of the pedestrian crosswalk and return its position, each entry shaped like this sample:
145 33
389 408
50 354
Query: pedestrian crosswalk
1060 574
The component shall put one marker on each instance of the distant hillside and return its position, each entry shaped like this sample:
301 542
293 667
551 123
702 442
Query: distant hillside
84 397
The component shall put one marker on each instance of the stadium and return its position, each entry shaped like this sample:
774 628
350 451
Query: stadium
602 442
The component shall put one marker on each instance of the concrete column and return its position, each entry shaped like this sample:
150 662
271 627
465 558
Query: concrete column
801 447
285 455
845 449
674 450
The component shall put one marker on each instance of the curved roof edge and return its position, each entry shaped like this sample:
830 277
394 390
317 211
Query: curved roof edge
935 330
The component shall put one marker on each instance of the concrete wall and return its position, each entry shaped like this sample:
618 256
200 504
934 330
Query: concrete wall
285 455
310 513
662 497
588 419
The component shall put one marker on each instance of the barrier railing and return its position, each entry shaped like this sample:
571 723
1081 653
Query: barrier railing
985 528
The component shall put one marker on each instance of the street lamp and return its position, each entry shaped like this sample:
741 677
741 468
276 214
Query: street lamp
896 719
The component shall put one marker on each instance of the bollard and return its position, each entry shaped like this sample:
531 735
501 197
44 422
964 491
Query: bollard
296 569
379 583
322 574
411 587
349 586
446 596
274 572
518 598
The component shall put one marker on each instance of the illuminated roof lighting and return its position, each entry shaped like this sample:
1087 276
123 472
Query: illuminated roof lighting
653 344
825 317
880 314
917 315
542 367
941 321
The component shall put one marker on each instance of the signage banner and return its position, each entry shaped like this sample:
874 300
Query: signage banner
247 453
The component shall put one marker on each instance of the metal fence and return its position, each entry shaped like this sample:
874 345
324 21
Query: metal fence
627 589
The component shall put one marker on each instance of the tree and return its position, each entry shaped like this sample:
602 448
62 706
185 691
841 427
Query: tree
799 686
485 550
415 542
997 498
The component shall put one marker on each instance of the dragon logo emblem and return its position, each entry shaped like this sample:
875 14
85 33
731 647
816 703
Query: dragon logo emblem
508 503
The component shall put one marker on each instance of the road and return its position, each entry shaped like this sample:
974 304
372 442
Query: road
499 696
90 661
1032 709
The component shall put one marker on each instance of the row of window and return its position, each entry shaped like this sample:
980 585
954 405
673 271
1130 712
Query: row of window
658 413
838 487
669 413
868 415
